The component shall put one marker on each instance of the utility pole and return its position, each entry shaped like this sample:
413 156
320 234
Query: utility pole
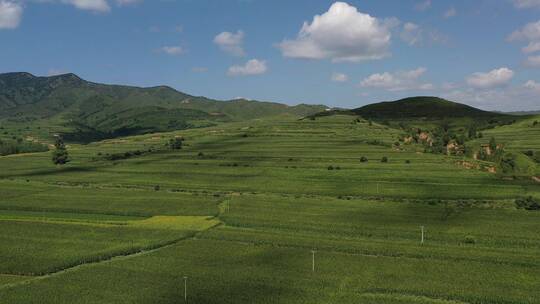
185 289
313 260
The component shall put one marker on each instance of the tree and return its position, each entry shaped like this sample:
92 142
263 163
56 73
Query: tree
384 159
176 143
60 154
363 159
528 203
472 132
492 144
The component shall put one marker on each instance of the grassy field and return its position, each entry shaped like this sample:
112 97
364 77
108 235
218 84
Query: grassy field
240 208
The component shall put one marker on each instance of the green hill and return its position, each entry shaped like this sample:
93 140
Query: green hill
421 107
86 111
427 112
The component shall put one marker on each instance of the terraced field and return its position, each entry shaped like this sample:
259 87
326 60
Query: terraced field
240 208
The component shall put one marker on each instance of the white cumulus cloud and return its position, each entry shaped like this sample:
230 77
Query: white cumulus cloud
91 5
494 78
533 61
531 47
530 32
532 85
526 3
423 6
339 77
341 34
172 50
252 67
231 43
452 12
411 33
10 14
127 2
397 81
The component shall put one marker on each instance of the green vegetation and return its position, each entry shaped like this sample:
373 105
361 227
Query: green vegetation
83 111
421 107
528 203
8 147
60 154
240 207
176 143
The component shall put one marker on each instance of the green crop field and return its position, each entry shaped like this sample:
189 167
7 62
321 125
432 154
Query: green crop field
242 211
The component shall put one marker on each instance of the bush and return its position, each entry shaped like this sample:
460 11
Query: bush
528 203
330 167
407 161
384 159
508 163
157 187
60 155
176 143
8 147
469 239
363 159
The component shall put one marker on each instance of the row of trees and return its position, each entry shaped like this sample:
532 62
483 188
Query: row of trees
8 147
60 155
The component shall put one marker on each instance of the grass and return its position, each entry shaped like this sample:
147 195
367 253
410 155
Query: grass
229 272
239 209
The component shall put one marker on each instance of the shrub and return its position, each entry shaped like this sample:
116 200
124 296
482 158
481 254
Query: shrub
363 159
508 163
176 143
492 144
200 154
60 154
528 203
330 167
384 159
469 239
157 187
407 161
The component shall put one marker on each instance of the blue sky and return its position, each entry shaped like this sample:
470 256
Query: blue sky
483 53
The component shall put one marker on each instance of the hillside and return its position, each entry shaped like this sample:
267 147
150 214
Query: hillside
239 209
86 111
425 112
421 107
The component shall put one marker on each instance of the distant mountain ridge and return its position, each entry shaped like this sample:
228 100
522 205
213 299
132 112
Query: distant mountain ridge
89 111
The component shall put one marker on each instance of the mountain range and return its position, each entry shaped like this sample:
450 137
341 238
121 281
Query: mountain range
84 111
87 111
